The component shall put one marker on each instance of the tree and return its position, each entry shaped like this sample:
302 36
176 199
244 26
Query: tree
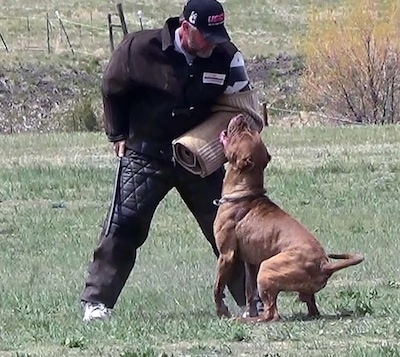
352 61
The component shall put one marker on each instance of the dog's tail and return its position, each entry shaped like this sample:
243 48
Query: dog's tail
346 261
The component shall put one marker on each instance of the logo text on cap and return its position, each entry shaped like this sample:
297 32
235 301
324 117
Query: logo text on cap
216 19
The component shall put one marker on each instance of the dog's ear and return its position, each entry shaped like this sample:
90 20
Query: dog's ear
246 163
263 156
231 157
268 157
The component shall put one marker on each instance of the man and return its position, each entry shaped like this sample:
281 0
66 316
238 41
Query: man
158 85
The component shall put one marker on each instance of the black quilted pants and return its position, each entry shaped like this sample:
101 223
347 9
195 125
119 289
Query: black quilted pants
144 181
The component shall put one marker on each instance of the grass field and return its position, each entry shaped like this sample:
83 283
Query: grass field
343 183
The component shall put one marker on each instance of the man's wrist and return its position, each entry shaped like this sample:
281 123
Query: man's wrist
114 138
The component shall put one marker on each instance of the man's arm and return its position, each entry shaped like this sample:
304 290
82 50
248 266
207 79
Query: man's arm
117 85
240 94
238 79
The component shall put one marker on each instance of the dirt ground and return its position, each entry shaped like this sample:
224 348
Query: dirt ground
34 97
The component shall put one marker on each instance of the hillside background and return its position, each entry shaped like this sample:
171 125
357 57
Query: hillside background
47 80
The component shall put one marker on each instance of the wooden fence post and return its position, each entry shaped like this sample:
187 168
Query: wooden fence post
48 32
110 32
139 13
4 42
122 19
65 32
265 113
111 25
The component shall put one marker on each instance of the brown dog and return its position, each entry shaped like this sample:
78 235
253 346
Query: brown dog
280 254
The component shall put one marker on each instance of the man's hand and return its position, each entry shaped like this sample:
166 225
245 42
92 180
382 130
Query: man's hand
119 148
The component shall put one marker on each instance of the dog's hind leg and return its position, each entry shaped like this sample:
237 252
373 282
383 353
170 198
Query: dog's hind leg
268 291
309 299
270 313
282 272
225 265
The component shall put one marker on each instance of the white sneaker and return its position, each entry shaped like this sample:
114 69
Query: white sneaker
95 311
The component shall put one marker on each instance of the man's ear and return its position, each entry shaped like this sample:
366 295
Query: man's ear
246 163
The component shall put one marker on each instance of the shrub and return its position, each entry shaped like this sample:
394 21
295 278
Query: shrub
352 61
84 117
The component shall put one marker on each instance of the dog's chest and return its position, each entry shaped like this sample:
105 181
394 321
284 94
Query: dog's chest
255 244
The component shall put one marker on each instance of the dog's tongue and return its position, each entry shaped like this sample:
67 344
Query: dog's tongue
223 139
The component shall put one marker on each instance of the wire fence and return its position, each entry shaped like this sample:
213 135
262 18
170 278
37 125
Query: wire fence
52 32
304 117
95 35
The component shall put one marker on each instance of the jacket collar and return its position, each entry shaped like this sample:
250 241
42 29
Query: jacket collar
168 32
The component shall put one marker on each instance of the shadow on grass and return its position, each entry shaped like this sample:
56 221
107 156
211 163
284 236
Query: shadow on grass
328 317
208 314
183 315
305 318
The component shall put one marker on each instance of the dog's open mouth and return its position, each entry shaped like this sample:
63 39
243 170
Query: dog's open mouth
236 125
223 138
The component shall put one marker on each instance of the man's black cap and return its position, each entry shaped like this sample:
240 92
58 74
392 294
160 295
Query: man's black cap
208 17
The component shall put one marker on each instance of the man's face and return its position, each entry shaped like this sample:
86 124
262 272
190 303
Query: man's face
194 42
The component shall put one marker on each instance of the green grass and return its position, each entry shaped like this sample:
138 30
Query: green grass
343 183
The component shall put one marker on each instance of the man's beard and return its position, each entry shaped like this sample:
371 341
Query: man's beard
203 53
